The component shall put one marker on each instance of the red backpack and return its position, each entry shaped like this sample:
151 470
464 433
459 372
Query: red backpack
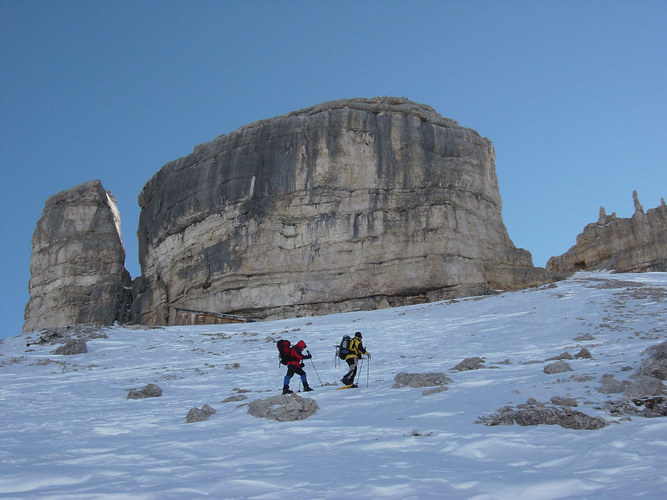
284 351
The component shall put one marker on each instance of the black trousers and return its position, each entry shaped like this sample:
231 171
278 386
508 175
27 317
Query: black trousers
349 377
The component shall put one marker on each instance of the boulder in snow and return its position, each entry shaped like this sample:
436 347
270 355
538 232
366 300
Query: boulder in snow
610 385
199 415
557 367
72 346
645 386
656 364
148 391
548 415
420 380
469 364
283 408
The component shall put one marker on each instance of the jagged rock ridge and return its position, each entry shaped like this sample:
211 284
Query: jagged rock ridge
77 265
351 204
636 244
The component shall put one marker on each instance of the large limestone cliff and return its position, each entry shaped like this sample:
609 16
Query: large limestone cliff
624 245
77 266
352 204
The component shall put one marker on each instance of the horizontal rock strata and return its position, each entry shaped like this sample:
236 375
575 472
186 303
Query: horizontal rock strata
353 204
77 265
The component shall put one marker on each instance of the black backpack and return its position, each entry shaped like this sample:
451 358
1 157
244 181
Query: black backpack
344 347
284 351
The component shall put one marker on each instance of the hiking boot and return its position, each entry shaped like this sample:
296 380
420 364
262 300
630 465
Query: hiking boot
306 388
286 390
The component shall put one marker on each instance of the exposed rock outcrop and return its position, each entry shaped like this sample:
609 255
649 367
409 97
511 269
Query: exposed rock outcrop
353 204
77 266
636 244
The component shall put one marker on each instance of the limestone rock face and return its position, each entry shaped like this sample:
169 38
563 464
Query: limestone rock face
625 245
77 266
352 204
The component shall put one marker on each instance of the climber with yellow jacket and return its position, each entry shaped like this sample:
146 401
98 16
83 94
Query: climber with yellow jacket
357 350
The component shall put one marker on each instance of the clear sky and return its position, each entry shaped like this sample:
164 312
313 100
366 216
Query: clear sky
571 93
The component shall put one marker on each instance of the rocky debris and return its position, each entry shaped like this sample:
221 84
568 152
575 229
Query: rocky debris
656 364
58 335
644 386
77 266
469 364
71 347
568 402
648 407
417 380
260 222
199 415
283 408
542 414
148 391
583 354
585 336
636 244
610 385
557 367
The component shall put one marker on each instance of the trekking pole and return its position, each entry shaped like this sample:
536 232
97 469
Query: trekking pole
318 375
360 370
368 370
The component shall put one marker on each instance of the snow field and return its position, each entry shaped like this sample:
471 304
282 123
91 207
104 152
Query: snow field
69 431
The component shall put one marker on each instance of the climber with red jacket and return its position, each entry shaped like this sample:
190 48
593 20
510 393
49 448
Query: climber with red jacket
295 365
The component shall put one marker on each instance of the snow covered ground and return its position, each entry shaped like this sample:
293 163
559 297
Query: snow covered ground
68 430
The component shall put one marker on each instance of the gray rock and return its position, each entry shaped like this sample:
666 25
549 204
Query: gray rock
469 364
548 415
636 244
72 346
610 385
583 354
656 364
199 415
557 367
565 355
649 407
560 401
148 391
417 380
283 408
262 222
77 265
644 386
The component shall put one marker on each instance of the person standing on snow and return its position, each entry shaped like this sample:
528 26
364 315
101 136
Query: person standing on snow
295 365
356 351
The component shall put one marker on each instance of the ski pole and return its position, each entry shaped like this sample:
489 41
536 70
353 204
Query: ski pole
368 370
318 375
360 370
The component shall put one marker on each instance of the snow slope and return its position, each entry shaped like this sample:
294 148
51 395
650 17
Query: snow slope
69 431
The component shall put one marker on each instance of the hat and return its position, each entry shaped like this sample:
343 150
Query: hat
358 334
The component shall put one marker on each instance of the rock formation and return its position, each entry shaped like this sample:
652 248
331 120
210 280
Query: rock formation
636 244
352 204
77 266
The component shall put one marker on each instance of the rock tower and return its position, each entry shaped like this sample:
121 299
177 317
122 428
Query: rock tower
77 266
348 205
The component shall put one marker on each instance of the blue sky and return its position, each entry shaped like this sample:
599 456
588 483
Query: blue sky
571 93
